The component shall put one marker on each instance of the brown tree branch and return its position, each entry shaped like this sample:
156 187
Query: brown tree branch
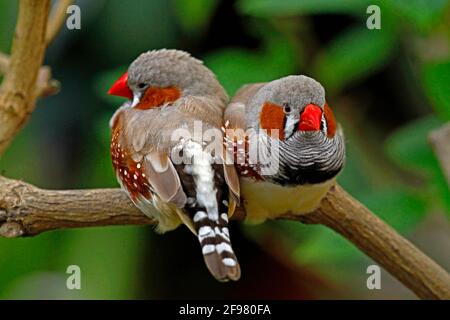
45 84
348 217
4 63
26 211
25 79
18 92
440 141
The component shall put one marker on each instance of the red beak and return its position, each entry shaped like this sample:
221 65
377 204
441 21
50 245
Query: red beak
310 118
120 87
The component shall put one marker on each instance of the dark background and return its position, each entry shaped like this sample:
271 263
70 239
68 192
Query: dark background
389 88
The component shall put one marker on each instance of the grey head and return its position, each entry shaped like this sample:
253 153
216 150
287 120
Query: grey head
308 153
173 68
292 93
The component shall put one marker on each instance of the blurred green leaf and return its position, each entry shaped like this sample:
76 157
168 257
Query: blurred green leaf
8 13
401 209
409 148
356 177
422 14
29 167
20 257
324 247
264 8
312 246
236 67
108 258
436 77
121 32
352 56
103 81
96 168
42 285
194 15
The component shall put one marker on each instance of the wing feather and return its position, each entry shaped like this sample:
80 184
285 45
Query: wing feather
235 111
164 179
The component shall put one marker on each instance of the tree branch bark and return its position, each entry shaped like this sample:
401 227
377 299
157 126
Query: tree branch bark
348 217
56 20
26 211
45 85
19 92
4 63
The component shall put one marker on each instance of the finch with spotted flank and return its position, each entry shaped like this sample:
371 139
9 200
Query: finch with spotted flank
169 90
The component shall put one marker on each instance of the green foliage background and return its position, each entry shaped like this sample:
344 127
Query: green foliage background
390 165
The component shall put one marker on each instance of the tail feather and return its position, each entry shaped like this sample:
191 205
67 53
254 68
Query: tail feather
206 189
216 246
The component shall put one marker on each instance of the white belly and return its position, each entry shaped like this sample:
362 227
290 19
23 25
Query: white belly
265 200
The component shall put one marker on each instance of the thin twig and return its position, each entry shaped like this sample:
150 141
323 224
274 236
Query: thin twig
45 84
57 17
28 211
55 22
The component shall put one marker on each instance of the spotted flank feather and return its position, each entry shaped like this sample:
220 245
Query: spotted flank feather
237 144
207 206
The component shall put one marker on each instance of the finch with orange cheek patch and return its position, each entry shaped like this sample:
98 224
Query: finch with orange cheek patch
310 146
170 90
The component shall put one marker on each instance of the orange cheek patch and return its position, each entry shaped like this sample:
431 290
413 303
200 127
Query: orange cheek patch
272 118
331 121
155 97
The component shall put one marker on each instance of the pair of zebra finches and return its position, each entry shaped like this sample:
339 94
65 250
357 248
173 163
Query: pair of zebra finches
168 90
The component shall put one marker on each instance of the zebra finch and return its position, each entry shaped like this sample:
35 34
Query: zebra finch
302 145
169 90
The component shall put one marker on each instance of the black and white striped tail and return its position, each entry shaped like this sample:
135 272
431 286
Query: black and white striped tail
207 206
216 246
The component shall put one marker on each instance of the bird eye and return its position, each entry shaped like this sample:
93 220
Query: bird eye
286 107
141 85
